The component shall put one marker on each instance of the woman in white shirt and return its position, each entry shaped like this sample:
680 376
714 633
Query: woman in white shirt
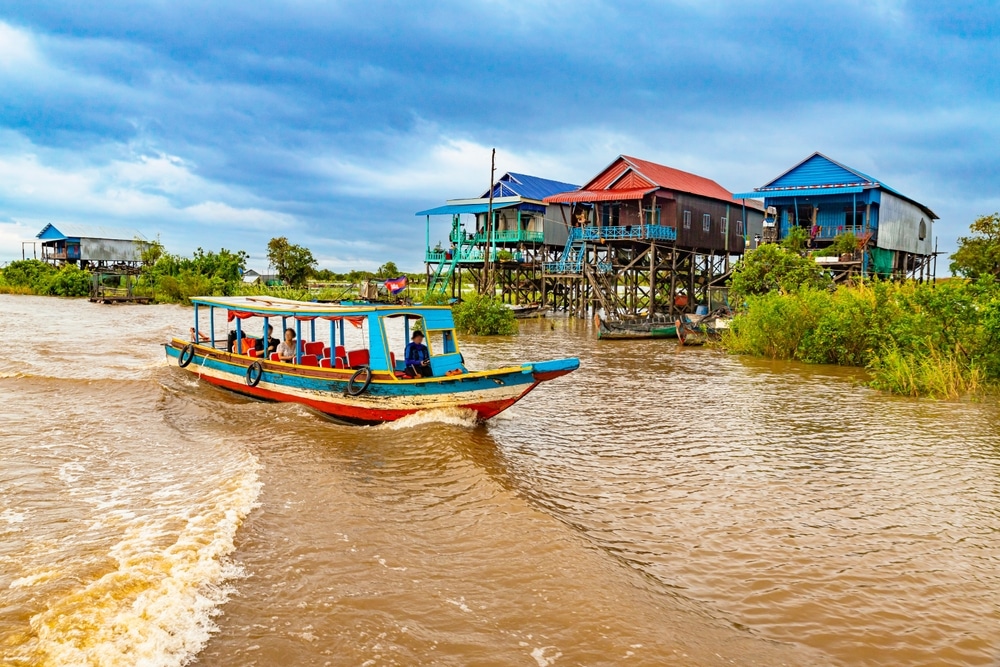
286 348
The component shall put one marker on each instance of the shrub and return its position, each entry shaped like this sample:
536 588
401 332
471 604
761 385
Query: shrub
485 316
771 267
69 281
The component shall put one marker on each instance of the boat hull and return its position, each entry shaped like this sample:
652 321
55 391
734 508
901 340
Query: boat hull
635 330
386 399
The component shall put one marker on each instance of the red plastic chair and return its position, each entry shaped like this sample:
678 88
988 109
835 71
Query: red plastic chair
356 358
339 363
314 348
275 357
324 362
309 360
252 352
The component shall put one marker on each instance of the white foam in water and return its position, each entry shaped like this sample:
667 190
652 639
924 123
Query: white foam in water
453 416
156 608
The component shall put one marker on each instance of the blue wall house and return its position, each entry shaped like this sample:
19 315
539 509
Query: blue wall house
826 198
92 246
524 228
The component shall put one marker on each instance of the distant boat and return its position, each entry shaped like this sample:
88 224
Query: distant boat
699 329
524 311
366 385
635 329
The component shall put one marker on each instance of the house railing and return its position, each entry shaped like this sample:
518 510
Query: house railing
500 236
623 232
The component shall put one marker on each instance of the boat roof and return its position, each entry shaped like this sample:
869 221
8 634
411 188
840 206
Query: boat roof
271 305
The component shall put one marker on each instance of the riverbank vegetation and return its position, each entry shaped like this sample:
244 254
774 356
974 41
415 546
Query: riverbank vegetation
918 339
32 276
483 315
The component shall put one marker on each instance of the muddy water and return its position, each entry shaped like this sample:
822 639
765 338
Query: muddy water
653 508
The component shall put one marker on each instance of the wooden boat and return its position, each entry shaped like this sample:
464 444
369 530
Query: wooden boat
526 310
366 385
699 329
635 329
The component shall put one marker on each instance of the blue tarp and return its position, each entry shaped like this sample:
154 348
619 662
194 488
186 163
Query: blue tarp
798 192
452 209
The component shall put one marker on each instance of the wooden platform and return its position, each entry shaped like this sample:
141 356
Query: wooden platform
121 299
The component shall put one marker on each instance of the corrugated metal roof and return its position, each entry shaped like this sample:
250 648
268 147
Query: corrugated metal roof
659 175
799 192
598 195
529 187
72 230
452 209
819 170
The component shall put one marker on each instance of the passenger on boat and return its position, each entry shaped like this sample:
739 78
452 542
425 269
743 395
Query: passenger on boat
418 359
286 348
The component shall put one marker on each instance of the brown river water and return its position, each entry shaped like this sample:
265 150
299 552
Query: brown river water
657 507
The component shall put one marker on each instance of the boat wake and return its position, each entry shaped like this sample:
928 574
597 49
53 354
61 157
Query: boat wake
454 416
163 584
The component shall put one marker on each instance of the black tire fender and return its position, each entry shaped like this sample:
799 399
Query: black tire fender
254 373
186 355
352 387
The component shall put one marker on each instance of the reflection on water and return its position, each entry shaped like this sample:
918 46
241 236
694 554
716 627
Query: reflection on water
655 507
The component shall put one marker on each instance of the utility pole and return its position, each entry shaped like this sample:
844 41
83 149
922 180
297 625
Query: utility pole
488 260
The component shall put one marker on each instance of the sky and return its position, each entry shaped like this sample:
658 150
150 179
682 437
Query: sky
225 124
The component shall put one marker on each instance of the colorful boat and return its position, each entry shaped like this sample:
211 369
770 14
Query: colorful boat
366 384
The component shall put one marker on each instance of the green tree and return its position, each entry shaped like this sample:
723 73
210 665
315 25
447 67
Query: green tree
293 262
978 255
388 270
772 267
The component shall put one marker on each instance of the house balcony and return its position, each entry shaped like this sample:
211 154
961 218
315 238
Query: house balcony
629 233
501 236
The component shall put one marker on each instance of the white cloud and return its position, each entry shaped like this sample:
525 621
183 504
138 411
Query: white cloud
17 50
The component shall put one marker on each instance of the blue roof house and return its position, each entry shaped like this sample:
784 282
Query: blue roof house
826 198
524 228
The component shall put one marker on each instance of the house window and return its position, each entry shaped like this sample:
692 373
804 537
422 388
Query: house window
706 222
687 219
923 229
723 225
653 216
739 227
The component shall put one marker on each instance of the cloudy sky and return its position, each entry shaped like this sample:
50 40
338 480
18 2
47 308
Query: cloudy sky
223 124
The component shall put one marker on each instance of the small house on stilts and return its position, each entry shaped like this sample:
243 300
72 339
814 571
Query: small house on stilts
507 251
647 241
826 200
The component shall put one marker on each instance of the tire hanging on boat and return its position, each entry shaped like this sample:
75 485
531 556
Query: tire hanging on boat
254 372
352 388
186 355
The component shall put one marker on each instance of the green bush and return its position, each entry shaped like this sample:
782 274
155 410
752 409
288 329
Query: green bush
771 267
68 281
28 273
916 339
485 316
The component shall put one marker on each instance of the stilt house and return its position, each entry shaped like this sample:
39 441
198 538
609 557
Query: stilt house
825 199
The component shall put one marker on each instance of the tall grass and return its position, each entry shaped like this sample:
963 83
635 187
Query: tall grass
915 340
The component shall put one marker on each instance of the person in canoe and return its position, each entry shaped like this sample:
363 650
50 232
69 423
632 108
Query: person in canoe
418 359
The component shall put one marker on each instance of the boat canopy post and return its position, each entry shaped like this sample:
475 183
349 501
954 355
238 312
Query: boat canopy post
406 329
343 323
239 337
284 326
267 338
298 341
211 324
312 329
195 324
333 337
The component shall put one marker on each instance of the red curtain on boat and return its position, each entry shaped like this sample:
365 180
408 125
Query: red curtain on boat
233 314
